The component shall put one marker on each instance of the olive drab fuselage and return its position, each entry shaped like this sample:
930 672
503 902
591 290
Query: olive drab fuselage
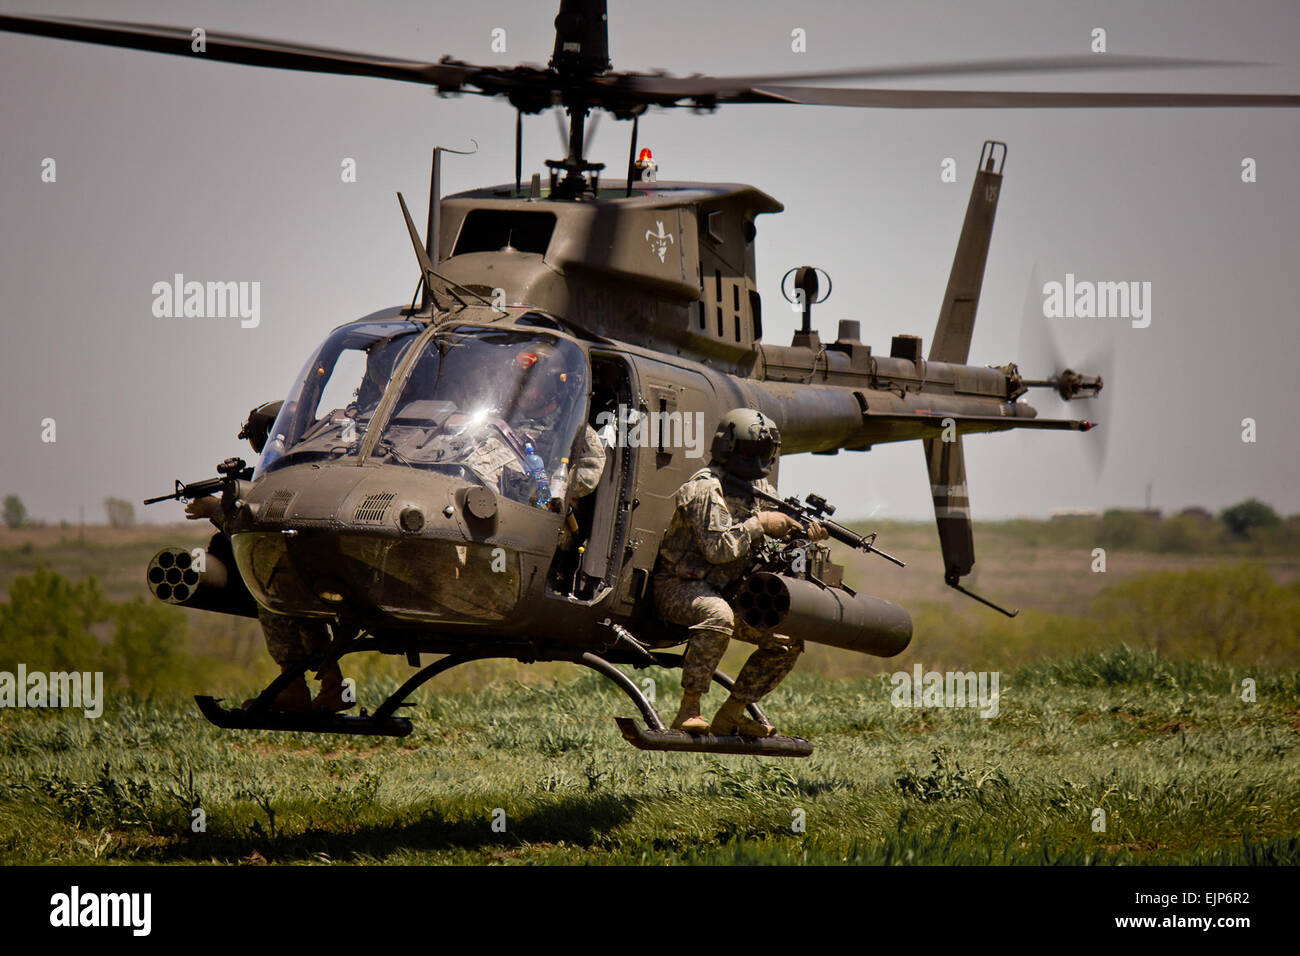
656 293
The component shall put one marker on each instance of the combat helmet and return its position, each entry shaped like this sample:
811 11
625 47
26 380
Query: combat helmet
746 443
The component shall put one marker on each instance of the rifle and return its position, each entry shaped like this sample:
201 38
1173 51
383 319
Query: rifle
816 509
232 469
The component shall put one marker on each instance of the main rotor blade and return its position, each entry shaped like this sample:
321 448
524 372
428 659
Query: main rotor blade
531 89
229 48
1003 99
714 85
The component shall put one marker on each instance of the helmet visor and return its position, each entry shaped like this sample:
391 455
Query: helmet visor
762 449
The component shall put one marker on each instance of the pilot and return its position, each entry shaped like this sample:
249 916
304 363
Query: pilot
707 548
545 397
381 360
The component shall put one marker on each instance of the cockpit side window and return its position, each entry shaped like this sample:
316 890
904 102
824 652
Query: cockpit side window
336 394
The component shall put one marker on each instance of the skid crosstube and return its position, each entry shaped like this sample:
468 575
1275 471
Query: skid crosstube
317 723
644 738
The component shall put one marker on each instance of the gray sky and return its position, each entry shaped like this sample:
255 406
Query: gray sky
225 172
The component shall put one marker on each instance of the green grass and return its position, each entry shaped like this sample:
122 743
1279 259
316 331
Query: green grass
1186 771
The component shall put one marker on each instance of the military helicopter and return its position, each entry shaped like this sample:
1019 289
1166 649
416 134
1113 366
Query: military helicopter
635 302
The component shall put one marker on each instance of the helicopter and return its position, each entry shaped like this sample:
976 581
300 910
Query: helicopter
637 300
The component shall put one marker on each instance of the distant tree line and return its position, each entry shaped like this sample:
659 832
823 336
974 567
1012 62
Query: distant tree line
1249 527
120 512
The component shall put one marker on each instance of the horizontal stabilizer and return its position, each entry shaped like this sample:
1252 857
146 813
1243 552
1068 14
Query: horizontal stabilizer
924 425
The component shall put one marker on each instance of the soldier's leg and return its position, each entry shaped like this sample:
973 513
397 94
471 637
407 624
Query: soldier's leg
335 695
284 642
765 669
701 608
767 666
703 654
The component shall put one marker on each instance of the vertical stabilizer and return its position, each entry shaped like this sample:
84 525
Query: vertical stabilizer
951 342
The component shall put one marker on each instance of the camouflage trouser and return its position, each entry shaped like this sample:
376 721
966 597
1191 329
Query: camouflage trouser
292 640
699 606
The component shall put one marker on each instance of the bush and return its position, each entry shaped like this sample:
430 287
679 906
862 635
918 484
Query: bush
53 624
1127 529
121 513
1223 613
148 645
15 512
1185 534
47 624
1248 515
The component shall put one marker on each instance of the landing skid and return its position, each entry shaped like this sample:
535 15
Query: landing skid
318 723
647 734
681 742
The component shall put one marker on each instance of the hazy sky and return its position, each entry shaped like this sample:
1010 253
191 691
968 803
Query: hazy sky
224 172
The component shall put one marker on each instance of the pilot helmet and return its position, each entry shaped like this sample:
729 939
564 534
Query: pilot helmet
746 443
547 386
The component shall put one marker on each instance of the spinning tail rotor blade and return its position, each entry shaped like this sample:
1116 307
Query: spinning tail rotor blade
1101 361
1041 361
1039 355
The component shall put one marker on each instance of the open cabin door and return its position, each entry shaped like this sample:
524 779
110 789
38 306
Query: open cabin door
588 568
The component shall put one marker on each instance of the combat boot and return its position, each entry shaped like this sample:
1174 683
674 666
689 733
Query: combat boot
730 720
333 691
293 699
688 716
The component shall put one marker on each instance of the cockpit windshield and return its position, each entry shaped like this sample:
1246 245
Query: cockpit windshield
498 406
335 395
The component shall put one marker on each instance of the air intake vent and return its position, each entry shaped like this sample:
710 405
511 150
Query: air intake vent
373 508
277 505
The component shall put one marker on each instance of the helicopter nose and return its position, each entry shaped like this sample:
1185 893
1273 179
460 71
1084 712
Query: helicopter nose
317 573
388 543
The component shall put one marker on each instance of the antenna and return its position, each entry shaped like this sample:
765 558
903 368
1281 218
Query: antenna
435 205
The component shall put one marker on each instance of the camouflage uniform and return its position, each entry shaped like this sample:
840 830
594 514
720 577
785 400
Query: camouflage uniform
586 474
707 547
292 640
490 457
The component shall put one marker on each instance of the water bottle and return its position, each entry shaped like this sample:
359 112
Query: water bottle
560 479
537 468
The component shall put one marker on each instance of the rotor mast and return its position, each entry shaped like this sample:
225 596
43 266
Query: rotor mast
581 52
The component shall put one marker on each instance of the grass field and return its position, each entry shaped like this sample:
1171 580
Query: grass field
1120 692
1185 771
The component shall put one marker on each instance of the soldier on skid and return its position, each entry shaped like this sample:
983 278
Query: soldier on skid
707 548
